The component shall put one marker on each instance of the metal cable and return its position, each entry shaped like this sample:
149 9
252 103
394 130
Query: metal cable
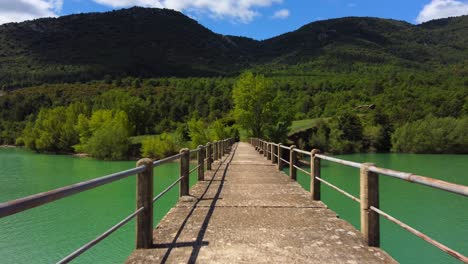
426 238
339 190
98 239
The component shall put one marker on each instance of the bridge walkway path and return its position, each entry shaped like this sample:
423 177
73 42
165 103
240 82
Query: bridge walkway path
246 211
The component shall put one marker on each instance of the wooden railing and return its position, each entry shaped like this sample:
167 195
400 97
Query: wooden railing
369 188
144 196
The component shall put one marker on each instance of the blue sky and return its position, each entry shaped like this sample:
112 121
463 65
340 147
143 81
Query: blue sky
258 19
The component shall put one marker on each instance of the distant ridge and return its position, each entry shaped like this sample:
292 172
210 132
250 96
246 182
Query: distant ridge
151 42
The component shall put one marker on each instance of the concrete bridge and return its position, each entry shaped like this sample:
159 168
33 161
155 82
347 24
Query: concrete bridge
246 211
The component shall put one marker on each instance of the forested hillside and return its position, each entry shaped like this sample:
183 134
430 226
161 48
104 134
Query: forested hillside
132 42
145 42
66 82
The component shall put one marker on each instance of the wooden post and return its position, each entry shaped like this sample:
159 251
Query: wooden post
215 150
224 144
275 158
269 151
292 162
265 149
201 163
184 172
144 192
280 153
208 156
314 173
272 152
370 226
222 148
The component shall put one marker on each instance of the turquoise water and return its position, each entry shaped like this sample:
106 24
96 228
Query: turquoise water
48 233
439 214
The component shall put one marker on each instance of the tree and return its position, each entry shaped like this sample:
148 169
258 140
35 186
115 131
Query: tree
105 135
198 132
432 135
346 134
135 108
260 108
160 146
54 129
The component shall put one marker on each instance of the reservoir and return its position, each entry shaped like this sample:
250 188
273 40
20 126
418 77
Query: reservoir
48 233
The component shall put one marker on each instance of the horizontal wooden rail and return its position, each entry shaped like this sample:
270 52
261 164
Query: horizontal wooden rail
29 202
302 151
431 182
340 161
434 183
285 147
167 160
369 194
194 150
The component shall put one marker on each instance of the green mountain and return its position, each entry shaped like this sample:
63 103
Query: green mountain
337 42
144 42
130 42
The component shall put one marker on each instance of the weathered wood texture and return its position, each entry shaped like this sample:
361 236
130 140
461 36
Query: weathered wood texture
292 162
246 211
315 170
144 199
184 172
209 153
369 186
201 163
280 156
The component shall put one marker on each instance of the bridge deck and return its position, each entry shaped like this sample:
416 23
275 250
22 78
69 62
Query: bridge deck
246 211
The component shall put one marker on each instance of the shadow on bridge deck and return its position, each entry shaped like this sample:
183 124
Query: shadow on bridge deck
246 211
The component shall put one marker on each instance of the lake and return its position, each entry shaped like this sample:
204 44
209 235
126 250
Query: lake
48 233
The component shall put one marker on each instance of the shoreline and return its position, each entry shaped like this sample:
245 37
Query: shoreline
8 146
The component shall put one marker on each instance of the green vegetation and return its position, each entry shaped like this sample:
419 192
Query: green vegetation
54 129
161 146
150 42
261 108
105 135
323 74
301 125
432 135
109 122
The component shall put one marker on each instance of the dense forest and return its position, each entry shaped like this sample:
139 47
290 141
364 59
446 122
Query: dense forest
365 84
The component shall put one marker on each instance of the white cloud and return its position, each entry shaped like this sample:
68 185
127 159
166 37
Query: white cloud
441 9
281 14
239 10
21 10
